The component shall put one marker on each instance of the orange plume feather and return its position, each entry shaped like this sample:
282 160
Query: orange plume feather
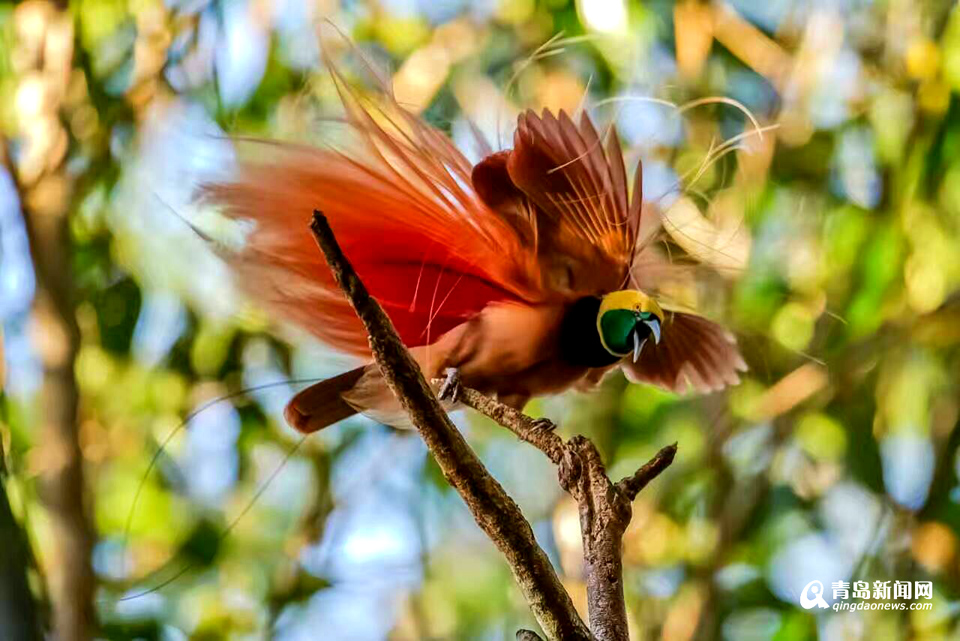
406 214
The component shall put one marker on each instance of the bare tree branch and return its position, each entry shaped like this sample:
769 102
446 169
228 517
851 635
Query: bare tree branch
495 512
527 429
631 485
604 507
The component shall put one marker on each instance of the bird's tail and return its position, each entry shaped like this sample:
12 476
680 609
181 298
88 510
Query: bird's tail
364 391
322 403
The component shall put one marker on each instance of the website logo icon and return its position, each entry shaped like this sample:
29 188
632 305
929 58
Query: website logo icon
814 588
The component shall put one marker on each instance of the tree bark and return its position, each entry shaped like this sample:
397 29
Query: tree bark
46 217
62 485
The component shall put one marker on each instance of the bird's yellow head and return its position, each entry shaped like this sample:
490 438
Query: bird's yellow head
626 320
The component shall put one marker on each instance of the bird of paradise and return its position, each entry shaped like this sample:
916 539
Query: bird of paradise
529 273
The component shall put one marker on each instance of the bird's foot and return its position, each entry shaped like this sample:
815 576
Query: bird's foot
544 424
450 388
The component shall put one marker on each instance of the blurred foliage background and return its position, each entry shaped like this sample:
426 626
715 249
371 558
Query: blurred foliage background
835 230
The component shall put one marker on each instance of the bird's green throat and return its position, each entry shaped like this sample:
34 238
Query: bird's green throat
626 320
598 332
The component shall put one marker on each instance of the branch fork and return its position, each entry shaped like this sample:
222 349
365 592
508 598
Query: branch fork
604 506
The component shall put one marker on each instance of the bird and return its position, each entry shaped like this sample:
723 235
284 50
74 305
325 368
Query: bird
526 274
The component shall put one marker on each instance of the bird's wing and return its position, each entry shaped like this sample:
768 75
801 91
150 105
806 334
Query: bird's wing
404 210
693 352
565 191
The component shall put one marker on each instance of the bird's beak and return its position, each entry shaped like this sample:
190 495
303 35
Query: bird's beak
654 326
637 345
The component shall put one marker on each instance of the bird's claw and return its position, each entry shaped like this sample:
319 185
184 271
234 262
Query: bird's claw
544 424
450 388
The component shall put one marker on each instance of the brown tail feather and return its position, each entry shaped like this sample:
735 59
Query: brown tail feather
321 404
